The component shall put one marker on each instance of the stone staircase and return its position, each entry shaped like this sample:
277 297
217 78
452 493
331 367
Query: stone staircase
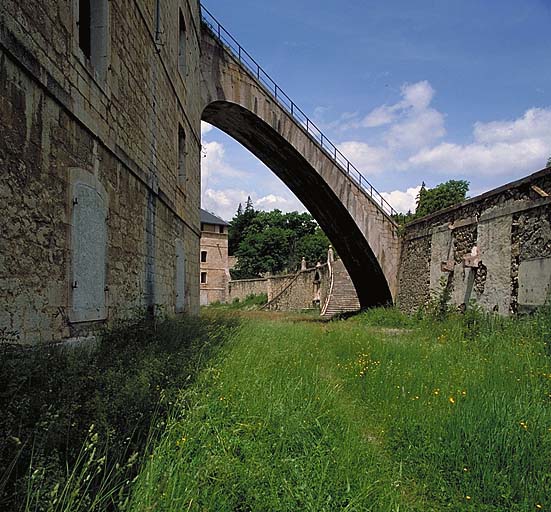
342 296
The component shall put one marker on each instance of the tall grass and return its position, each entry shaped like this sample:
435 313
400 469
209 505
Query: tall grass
75 425
378 413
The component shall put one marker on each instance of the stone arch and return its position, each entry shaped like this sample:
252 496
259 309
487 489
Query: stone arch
267 144
366 238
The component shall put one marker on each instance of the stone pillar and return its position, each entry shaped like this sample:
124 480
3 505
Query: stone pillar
269 286
330 255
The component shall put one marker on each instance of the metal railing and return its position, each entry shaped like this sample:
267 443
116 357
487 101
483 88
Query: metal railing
271 87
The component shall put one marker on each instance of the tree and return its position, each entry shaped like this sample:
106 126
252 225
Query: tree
446 194
430 200
239 224
548 164
276 242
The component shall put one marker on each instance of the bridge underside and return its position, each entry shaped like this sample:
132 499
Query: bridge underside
312 189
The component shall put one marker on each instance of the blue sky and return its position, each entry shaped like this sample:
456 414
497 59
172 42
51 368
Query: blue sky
411 91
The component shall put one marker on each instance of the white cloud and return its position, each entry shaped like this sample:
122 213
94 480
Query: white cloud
205 127
219 194
368 159
416 131
535 123
380 116
285 204
214 167
403 201
418 95
484 159
410 140
224 202
499 147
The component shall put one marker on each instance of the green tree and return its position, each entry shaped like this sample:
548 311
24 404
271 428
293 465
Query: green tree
238 225
276 242
430 200
548 164
446 194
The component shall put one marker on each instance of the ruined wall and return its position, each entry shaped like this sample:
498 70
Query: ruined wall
76 141
494 249
308 290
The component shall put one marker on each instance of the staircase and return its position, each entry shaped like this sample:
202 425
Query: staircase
342 295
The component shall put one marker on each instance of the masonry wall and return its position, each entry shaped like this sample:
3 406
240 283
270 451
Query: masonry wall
216 267
508 271
271 286
62 123
302 292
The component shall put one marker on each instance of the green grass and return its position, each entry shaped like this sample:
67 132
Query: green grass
380 412
251 302
76 425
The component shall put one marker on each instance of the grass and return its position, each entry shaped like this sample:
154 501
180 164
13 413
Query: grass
381 412
76 425
251 302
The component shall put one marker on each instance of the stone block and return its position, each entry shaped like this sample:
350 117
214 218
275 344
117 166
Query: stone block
534 282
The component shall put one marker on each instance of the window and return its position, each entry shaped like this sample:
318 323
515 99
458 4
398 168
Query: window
181 155
93 33
203 256
203 278
182 46
222 229
84 25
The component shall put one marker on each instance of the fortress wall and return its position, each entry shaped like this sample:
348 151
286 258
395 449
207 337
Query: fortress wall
493 250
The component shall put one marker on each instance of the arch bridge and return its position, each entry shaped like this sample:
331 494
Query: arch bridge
241 99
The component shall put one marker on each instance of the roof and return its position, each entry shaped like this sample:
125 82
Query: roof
209 218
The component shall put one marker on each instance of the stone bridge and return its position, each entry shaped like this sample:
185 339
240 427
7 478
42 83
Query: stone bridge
239 98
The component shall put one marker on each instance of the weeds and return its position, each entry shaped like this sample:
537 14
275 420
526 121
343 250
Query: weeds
422 415
51 397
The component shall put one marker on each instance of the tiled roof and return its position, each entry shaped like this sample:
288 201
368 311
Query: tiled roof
209 218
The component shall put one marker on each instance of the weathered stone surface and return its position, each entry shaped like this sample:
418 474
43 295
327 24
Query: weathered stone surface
508 226
56 115
534 277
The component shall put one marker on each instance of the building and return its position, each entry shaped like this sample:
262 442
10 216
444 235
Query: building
99 163
214 273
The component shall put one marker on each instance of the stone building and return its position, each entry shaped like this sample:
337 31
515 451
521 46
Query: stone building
214 273
99 163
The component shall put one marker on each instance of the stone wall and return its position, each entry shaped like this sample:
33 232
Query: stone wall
494 249
242 288
308 290
216 267
74 140
288 292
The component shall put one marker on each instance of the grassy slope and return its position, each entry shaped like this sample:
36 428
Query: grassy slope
300 415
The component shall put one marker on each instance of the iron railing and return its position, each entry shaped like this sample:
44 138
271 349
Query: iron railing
271 87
